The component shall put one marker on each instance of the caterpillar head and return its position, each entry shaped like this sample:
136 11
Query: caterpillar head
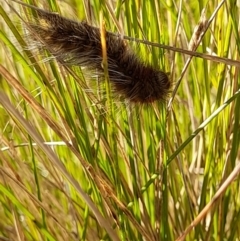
144 85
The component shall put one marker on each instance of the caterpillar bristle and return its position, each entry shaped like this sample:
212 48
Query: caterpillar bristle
77 43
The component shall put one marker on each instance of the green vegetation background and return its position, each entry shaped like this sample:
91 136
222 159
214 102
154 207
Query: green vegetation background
80 163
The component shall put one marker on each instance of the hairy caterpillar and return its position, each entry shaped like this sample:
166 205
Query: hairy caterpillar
77 43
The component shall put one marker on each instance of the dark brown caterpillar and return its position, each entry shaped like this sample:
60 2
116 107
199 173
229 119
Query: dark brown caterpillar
77 43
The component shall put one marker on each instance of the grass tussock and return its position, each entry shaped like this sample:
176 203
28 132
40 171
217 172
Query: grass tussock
80 163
